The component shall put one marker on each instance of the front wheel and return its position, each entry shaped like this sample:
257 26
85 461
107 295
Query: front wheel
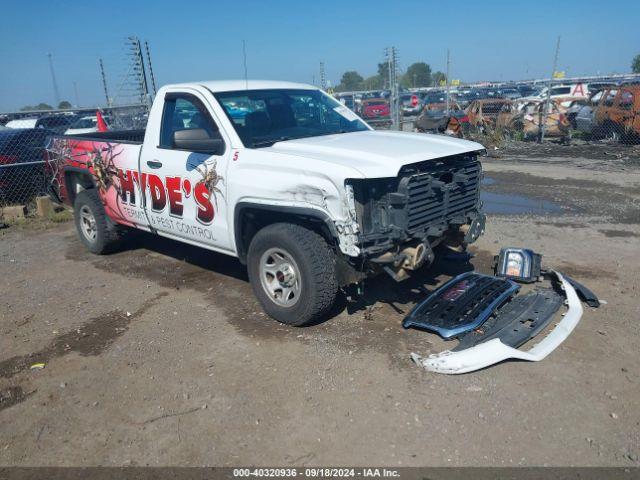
292 271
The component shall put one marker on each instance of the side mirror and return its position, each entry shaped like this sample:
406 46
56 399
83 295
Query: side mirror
198 140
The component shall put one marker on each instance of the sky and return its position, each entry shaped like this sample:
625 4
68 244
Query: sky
286 39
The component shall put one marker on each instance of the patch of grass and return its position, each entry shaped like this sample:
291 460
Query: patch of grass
579 135
61 216
32 221
518 136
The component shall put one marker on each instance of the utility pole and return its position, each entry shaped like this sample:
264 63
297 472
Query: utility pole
542 115
75 91
447 78
153 78
323 77
104 83
244 56
392 64
53 79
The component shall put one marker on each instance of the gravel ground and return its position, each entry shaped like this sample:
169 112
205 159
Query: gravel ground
159 354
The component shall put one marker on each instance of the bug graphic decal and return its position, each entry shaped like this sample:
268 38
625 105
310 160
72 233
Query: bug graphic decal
210 180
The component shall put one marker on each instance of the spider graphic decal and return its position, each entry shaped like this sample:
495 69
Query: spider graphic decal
102 160
210 180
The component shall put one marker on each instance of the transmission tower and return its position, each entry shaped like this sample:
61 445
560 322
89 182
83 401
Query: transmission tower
151 75
135 80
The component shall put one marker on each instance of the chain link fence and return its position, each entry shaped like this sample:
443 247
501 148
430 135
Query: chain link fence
24 173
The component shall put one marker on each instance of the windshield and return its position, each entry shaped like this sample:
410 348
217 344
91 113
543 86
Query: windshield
263 117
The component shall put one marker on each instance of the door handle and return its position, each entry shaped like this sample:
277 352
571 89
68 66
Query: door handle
154 164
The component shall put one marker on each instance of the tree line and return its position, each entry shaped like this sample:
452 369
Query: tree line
417 75
45 106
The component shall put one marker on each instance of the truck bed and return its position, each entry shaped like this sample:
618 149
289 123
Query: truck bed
120 136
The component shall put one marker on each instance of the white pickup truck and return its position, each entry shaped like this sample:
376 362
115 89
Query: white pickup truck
281 176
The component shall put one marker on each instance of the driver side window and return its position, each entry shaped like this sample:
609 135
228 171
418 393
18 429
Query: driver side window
185 112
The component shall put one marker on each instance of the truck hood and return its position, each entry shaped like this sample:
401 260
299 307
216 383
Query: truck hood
374 153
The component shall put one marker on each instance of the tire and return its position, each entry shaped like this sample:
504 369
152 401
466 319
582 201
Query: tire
292 271
100 236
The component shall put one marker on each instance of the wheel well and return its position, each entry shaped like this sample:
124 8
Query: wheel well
250 218
76 181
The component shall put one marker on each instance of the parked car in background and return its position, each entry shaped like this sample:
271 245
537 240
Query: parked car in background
55 123
483 113
594 87
464 99
570 106
618 113
86 124
509 119
348 100
584 118
576 90
555 122
410 104
525 117
435 118
22 123
433 97
509 93
556 91
527 90
374 108
21 163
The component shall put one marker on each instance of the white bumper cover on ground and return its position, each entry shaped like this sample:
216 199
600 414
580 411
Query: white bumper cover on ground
494 351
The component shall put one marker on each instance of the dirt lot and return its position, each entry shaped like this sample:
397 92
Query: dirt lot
159 354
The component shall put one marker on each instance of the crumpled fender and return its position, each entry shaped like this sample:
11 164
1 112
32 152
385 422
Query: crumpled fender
494 351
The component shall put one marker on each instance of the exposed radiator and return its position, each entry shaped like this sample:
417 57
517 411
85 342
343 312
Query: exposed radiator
440 193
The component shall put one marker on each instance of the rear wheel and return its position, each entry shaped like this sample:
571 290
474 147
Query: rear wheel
292 272
94 228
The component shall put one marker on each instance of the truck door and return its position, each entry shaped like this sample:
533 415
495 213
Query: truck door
184 171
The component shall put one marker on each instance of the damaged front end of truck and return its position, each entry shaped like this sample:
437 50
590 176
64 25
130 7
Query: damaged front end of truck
400 220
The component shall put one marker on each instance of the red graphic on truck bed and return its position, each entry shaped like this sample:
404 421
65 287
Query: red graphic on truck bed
119 186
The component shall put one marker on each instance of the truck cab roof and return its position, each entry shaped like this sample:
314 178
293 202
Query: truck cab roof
232 85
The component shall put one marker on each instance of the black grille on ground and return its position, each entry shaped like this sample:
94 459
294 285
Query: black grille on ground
441 191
